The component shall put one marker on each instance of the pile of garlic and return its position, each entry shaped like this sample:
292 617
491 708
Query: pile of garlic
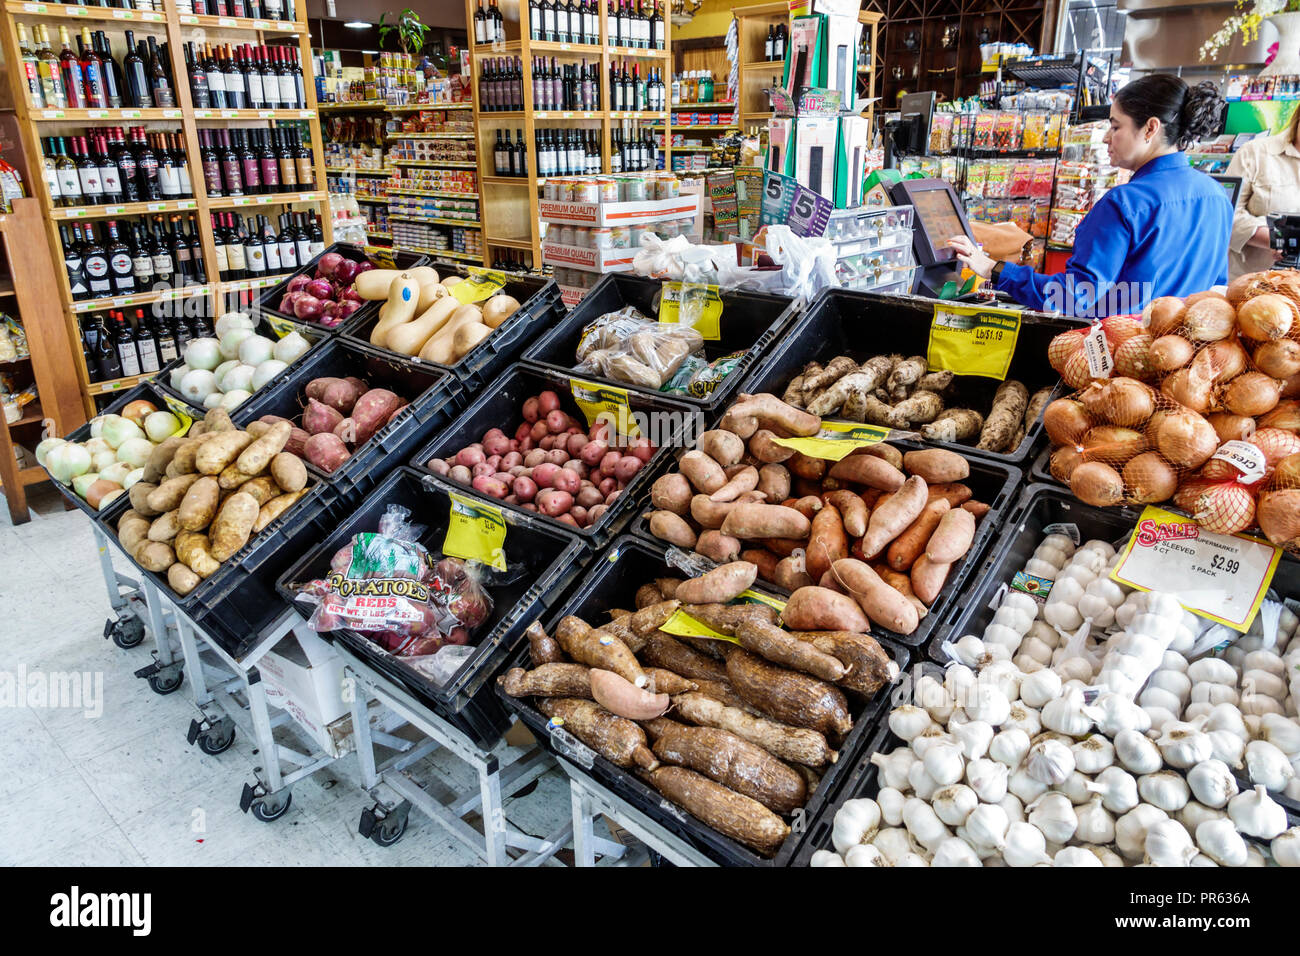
1005 763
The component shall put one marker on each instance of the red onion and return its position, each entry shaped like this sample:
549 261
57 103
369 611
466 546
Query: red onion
345 272
308 307
328 263
365 265
319 288
297 282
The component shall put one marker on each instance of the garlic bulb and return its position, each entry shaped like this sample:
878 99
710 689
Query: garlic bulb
910 859
1114 713
1001 635
1024 786
909 721
1254 857
894 766
1009 747
856 821
1184 745
1074 668
1136 753
944 763
973 735
1075 788
894 843
1107 856
968 649
1053 814
1200 709
953 804
1023 717
1131 829
1225 717
1263 660
1117 789
1039 688
1050 762
1285 847
826 858
1225 745
1093 754
891 803
1282 732
1220 841
1168 844
1158 697
1095 823
1005 676
987 778
1212 783
934 698
932 735
954 852
1201 860
1036 650
1165 789
1268 765
1260 681
920 782
1065 714
987 826
1160 716
1172 682
958 679
865 855
986 702
924 824
1075 856
1194 814
1025 846
1255 814
1173 661
1212 670
1215 693
1258 704
1014 809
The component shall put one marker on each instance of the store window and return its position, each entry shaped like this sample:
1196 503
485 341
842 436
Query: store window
1090 25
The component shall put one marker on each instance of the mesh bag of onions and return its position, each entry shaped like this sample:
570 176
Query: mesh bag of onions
1202 409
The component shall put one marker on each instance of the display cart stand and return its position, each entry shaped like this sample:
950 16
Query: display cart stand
395 791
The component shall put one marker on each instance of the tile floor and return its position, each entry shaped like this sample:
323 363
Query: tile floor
122 787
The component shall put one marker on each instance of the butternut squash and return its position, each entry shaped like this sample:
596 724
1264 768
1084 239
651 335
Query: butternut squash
409 337
452 280
402 299
423 274
374 284
430 292
467 337
439 346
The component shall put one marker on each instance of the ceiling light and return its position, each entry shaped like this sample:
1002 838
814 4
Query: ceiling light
358 25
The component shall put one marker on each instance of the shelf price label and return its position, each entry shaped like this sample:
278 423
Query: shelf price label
604 403
475 532
1217 576
481 284
971 340
683 625
699 306
225 22
836 440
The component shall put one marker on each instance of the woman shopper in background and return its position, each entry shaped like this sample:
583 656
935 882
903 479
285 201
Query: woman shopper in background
1164 232
1269 167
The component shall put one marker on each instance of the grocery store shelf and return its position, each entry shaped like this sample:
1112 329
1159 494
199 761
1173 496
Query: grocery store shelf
345 170
142 298
121 209
73 116
69 11
253 114
270 199
117 384
708 126
764 65
504 114
637 114
445 253
434 164
403 191
241 285
416 107
525 244
373 234
463 223
354 105
391 136
504 180
241 23
691 149
639 53
32 415
720 104
580 49
7 287
565 114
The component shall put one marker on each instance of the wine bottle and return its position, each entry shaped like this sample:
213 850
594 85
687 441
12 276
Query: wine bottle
137 80
160 85
125 343
145 344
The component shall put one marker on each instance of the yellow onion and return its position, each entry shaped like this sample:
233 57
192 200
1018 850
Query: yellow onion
1285 415
1224 507
1245 287
1226 359
1279 516
1265 317
1186 439
1063 462
1253 393
1187 388
1287 473
1281 359
1062 347
1133 357
1291 386
1209 319
1126 401
1076 372
1097 484
1065 421
1120 328
1231 427
1149 479
1276 444
1113 444
1170 352
1161 316
1188 491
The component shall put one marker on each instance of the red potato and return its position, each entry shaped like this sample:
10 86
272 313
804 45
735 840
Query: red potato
599 431
576 443
469 457
512 499
641 448
523 431
525 488
589 497
528 506
317 418
608 462
547 402
461 474
579 514
518 470
534 458
608 485
438 466
544 474
538 431
593 452
567 518
490 486
495 462
504 476
565 480
496 444
625 468
557 456
483 469
531 411
553 502
557 422
613 496
594 514
578 468
511 459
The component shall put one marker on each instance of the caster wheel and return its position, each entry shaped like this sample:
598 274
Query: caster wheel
126 632
162 686
260 810
211 744
383 835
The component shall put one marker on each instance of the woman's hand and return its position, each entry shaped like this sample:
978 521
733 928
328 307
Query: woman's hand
1262 240
971 255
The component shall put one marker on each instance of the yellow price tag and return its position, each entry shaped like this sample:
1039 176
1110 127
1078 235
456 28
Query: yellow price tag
181 411
475 532
481 284
683 625
836 440
281 327
703 301
970 340
604 403
381 256
753 597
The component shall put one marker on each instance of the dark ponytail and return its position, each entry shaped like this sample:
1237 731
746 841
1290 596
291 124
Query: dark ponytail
1187 113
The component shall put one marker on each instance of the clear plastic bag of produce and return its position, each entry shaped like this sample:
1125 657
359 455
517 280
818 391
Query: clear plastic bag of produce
386 585
645 353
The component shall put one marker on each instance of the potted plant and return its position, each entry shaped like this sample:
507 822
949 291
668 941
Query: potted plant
1284 15
410 31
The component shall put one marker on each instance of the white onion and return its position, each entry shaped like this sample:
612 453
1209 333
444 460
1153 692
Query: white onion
177 374
45 447
213 400
232 320
238 379
119 430
198 385
255 350
290 348
266 372
100 460
204 353
116 473
135 452
132 478
231 341
161 425
234 399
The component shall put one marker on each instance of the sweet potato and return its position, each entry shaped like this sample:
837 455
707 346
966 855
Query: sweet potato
704 474
732 761
730 813
774 483
327 452
717 546
666 682
792 572
583 644
765 410
978 508
891 518
766 560
168 495
853 511
807 467
372 411
952 538
165 526
548 680
795 744
646 595
624 698
790 697
288 471
722 446
710 514
719 585
233 524
542 648
757 521
903 585
725 618
808 505
667 587
672 528
667 652
936 465
868 470
671 493
821 609
297 443
617 739
928 578
277 506
868 668
319 418
908 546
763 446
827 543
745 479
881 603
783 547
181 579
341 394
772 643
256 458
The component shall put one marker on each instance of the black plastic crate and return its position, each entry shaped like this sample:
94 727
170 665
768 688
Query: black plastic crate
551 556
993 482
148 391
269 300
272 327
611 583
431 395
751 322
1040 471
865 324
539 309
501 408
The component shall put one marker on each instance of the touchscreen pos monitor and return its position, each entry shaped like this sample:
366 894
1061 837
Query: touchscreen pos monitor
939 215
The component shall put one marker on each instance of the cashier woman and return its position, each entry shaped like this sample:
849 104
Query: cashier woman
1165 232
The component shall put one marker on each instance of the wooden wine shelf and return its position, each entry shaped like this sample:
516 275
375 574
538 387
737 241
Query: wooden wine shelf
70 11
86 116
241 23
142 298
117 384
123 209
269 199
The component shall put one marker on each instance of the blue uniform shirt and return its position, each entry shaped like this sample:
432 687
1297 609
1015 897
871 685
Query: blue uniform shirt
1165 232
